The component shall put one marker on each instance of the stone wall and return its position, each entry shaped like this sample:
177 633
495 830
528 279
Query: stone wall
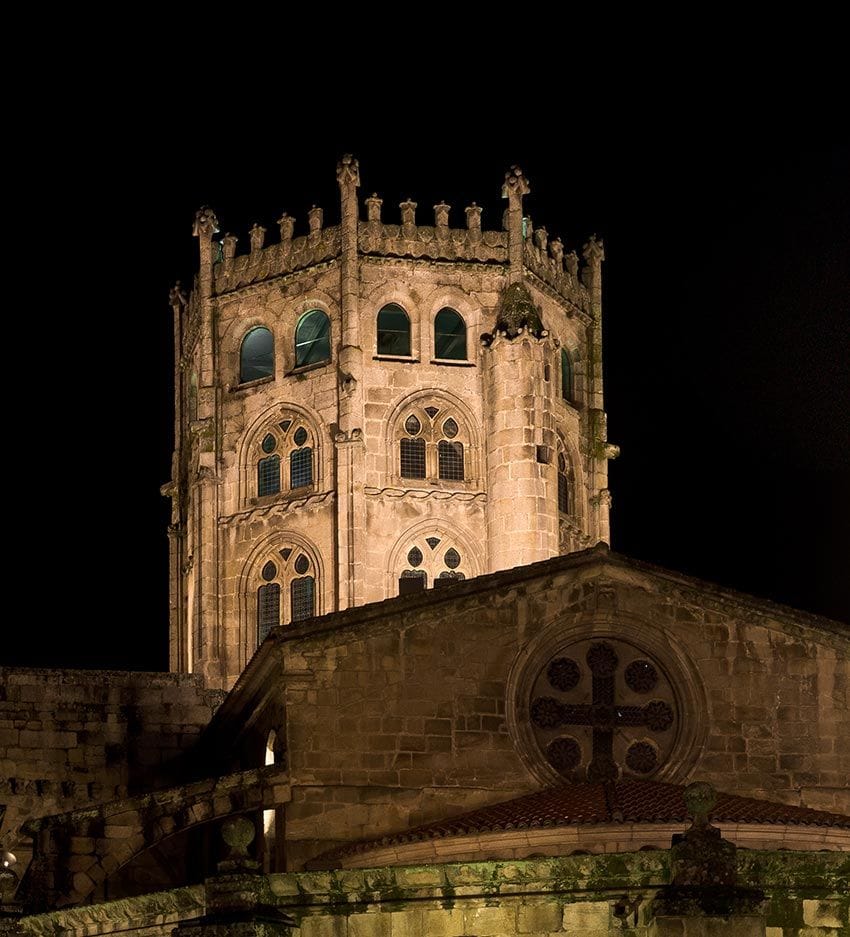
589 895
72 738
419 710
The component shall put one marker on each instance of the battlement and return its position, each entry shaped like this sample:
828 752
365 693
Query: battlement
543 258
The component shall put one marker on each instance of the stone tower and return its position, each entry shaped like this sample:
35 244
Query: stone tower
372 409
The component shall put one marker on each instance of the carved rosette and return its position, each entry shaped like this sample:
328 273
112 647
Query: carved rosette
601 709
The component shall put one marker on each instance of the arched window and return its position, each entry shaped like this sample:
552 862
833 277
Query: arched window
393 331
287 438
256 356
290 572
312 338
449 335
430 447
566 375
268 476
301 467
268 602
302 598
564 485
433 559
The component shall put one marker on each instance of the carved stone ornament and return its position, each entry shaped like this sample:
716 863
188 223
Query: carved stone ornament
177 296
206 223
517 313
516 185
258 237
287 226
594 250
348 170
601 708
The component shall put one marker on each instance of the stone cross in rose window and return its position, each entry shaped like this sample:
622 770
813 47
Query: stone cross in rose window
603 714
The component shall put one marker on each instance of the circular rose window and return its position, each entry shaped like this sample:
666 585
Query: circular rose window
602 708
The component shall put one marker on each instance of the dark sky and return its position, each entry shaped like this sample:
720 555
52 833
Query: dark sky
727 328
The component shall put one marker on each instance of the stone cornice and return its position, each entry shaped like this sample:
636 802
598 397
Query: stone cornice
282 506
422 494
155 909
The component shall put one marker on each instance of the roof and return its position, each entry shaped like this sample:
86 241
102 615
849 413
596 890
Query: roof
627 801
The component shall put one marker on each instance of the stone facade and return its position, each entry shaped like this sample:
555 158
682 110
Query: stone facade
70 739
423 707
517 416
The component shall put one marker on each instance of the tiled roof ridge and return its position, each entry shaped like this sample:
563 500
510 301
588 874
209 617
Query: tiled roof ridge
625 801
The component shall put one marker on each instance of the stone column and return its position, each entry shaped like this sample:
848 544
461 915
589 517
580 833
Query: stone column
177 636
350 455
515 187
522 518
601 450
205 496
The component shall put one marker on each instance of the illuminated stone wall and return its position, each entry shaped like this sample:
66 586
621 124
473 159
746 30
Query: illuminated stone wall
422 709
357 523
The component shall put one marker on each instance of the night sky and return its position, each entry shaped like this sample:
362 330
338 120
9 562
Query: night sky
727 333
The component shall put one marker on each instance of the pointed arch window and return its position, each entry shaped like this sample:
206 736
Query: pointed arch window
268 476
393 331
312 339
288 440
566 376
289 572
449 335
432 445
564 485
431 559
256 355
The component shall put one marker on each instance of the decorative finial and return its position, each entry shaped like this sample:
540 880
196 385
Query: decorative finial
258 237
348 170
176 297
373 208
229 243
594 250
287 226
515 183
700 798
315 217
206 223
441 215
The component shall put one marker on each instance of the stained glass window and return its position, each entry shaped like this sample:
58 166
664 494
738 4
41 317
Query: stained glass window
300 436
269 443
302 564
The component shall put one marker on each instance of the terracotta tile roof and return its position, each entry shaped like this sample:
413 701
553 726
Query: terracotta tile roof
628 801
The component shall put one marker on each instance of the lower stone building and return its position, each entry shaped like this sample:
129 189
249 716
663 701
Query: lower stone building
511 754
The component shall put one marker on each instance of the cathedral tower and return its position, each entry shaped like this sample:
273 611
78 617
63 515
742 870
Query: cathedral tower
373 409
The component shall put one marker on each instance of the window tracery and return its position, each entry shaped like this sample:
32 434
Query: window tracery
432 561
